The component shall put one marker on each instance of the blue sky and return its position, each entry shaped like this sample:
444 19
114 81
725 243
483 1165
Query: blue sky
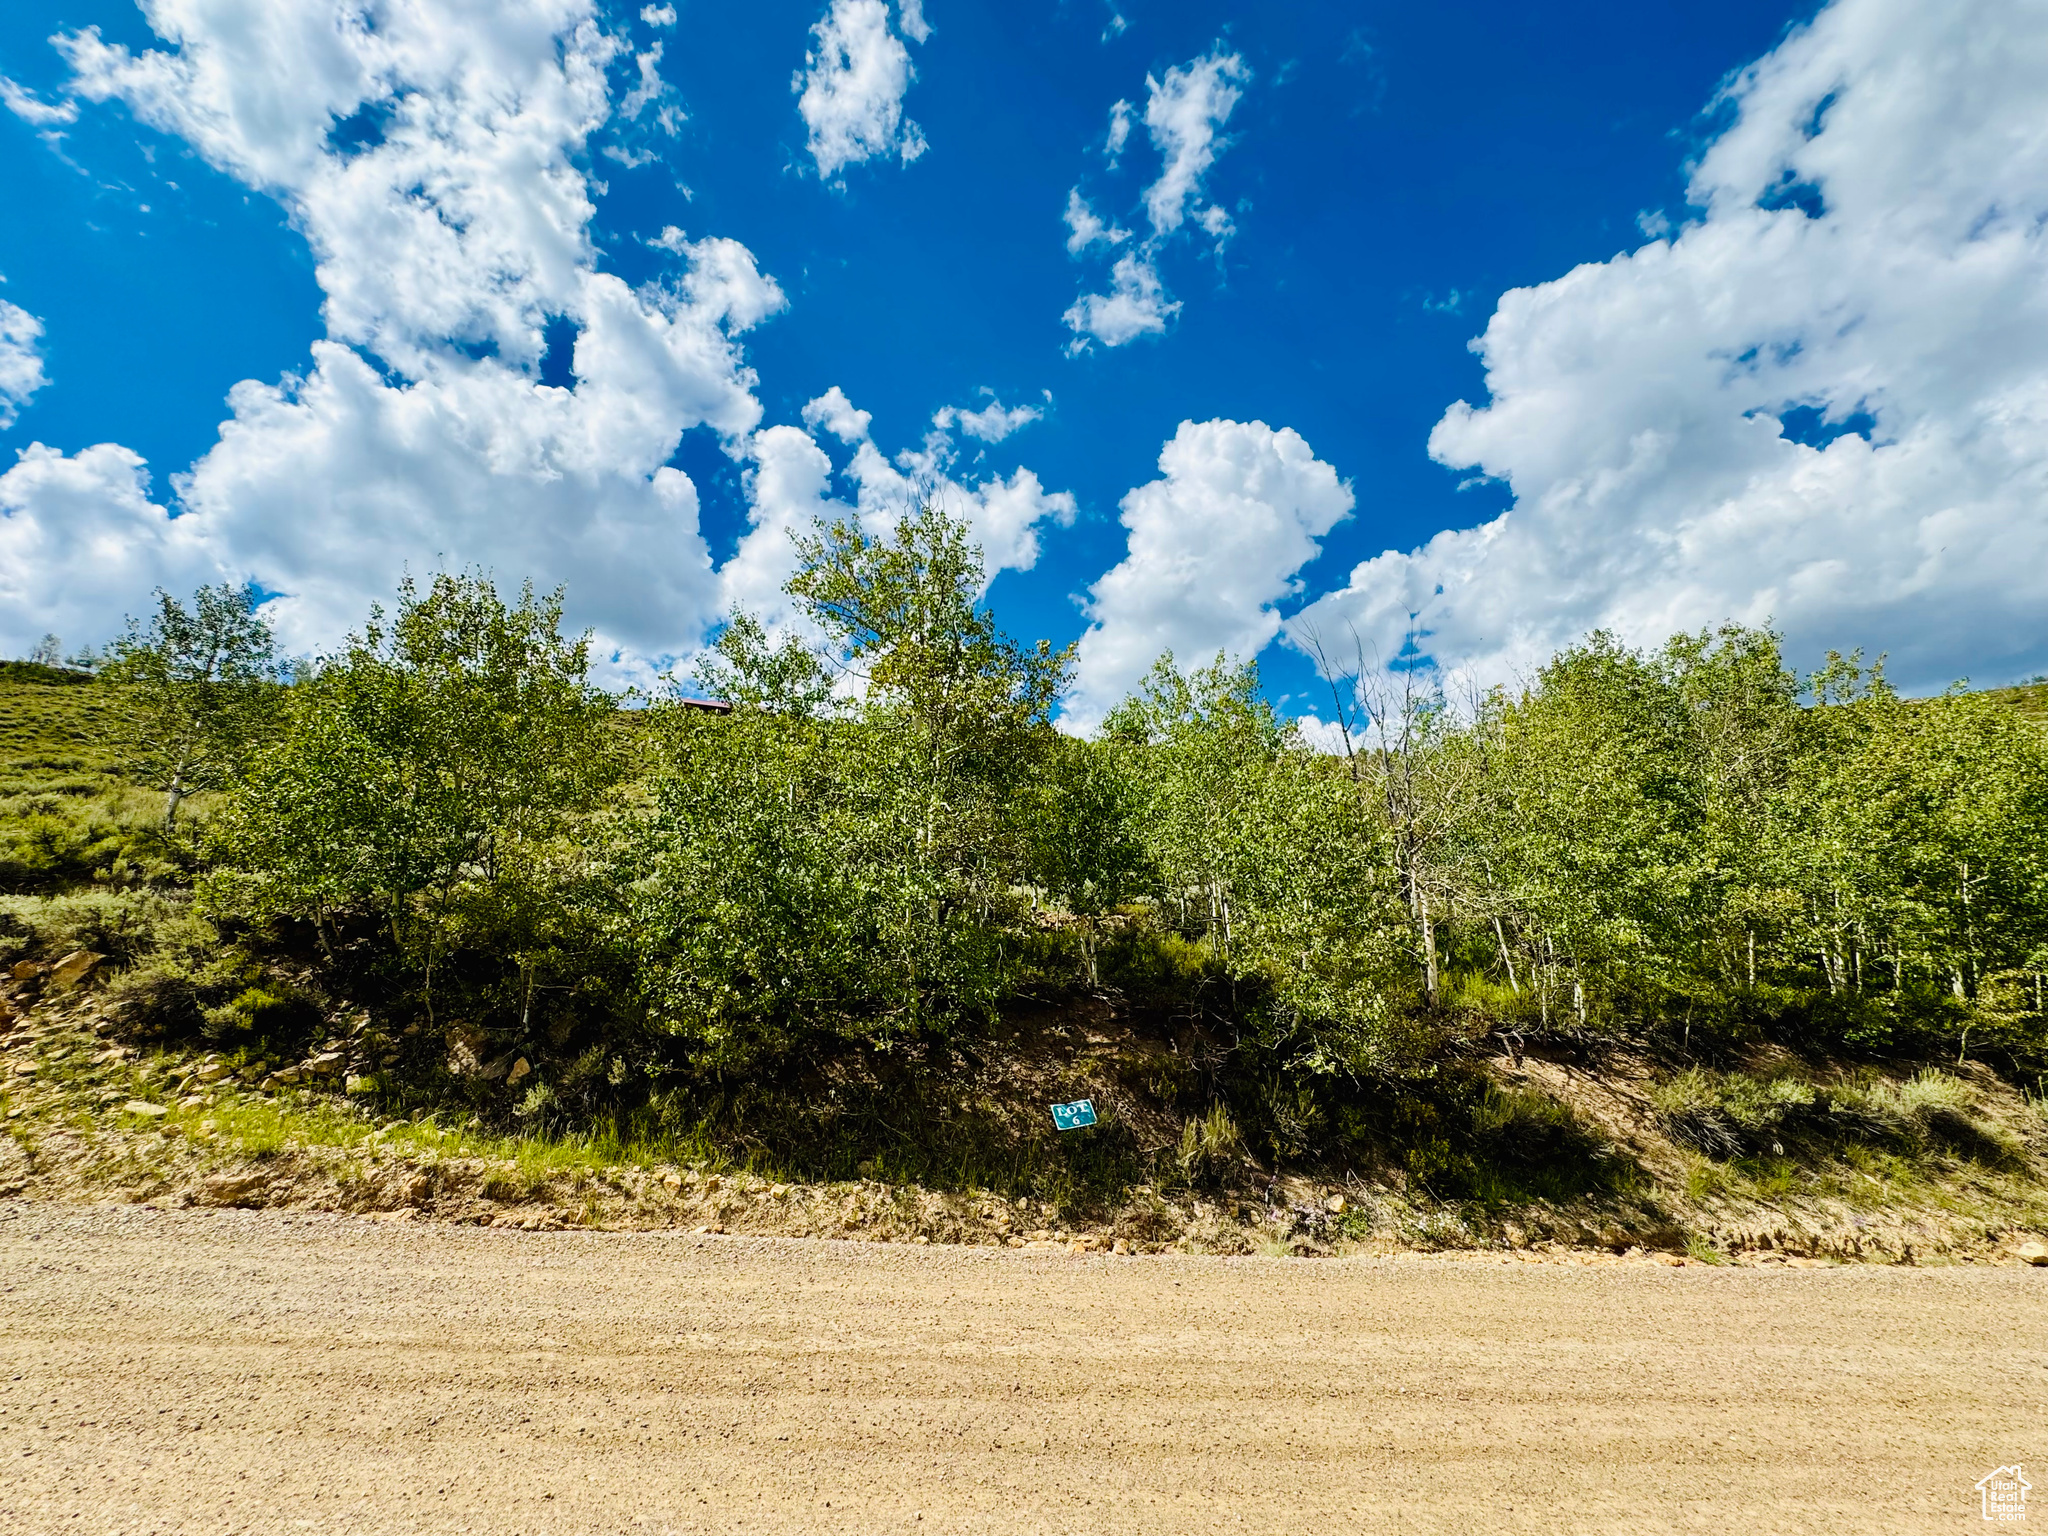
1385 174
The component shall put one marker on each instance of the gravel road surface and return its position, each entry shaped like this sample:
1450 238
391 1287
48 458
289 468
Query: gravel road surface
252 1371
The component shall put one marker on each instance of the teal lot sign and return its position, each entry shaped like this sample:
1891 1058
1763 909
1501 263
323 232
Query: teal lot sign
1071 1117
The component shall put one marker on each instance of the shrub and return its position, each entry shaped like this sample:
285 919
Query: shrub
1690 1112
1734 1114
273 1013
122 925
1209 1146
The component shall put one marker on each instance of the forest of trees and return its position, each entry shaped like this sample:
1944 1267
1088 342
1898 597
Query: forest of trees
888 841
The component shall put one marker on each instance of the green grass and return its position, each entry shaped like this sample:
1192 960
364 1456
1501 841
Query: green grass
57 734
238 1125
68 813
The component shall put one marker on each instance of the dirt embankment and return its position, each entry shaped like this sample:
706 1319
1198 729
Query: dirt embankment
90 1115
258 1371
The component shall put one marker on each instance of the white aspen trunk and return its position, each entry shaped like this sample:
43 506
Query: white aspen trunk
1428 954
1969 938
174 799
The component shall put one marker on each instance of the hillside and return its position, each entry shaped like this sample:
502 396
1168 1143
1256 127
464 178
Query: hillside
2029 699
1745 1147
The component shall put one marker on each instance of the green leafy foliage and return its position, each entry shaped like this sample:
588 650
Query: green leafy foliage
783 917
196 685
847 864
434 780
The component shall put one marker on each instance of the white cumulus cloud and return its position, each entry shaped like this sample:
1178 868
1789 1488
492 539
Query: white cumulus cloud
1213 545
1085 227
991 424
650 90
21 361
850 90
446 241
32 109
838 415
81 542
1136 305
1185 113
789 487
1119 130
1870 250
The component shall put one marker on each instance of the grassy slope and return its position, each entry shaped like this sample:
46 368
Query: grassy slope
67 814
71 1134
55 735
2030 699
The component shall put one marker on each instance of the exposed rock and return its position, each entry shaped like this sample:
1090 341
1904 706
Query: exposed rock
146 1110
234 1188
15 1166
286 1076
359 1085
326 1064
465 1052
518 1070
74 968
673 1180
29 970
1336 1205
2034 1253
213 1072
778 1191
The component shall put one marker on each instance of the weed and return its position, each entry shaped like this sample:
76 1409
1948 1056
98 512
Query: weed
1209 1146
1705 1178
1768 1178
1701 1251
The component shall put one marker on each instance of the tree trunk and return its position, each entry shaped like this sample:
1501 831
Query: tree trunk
1428 955
1967 973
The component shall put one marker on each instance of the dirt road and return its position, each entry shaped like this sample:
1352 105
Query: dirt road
231 1371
